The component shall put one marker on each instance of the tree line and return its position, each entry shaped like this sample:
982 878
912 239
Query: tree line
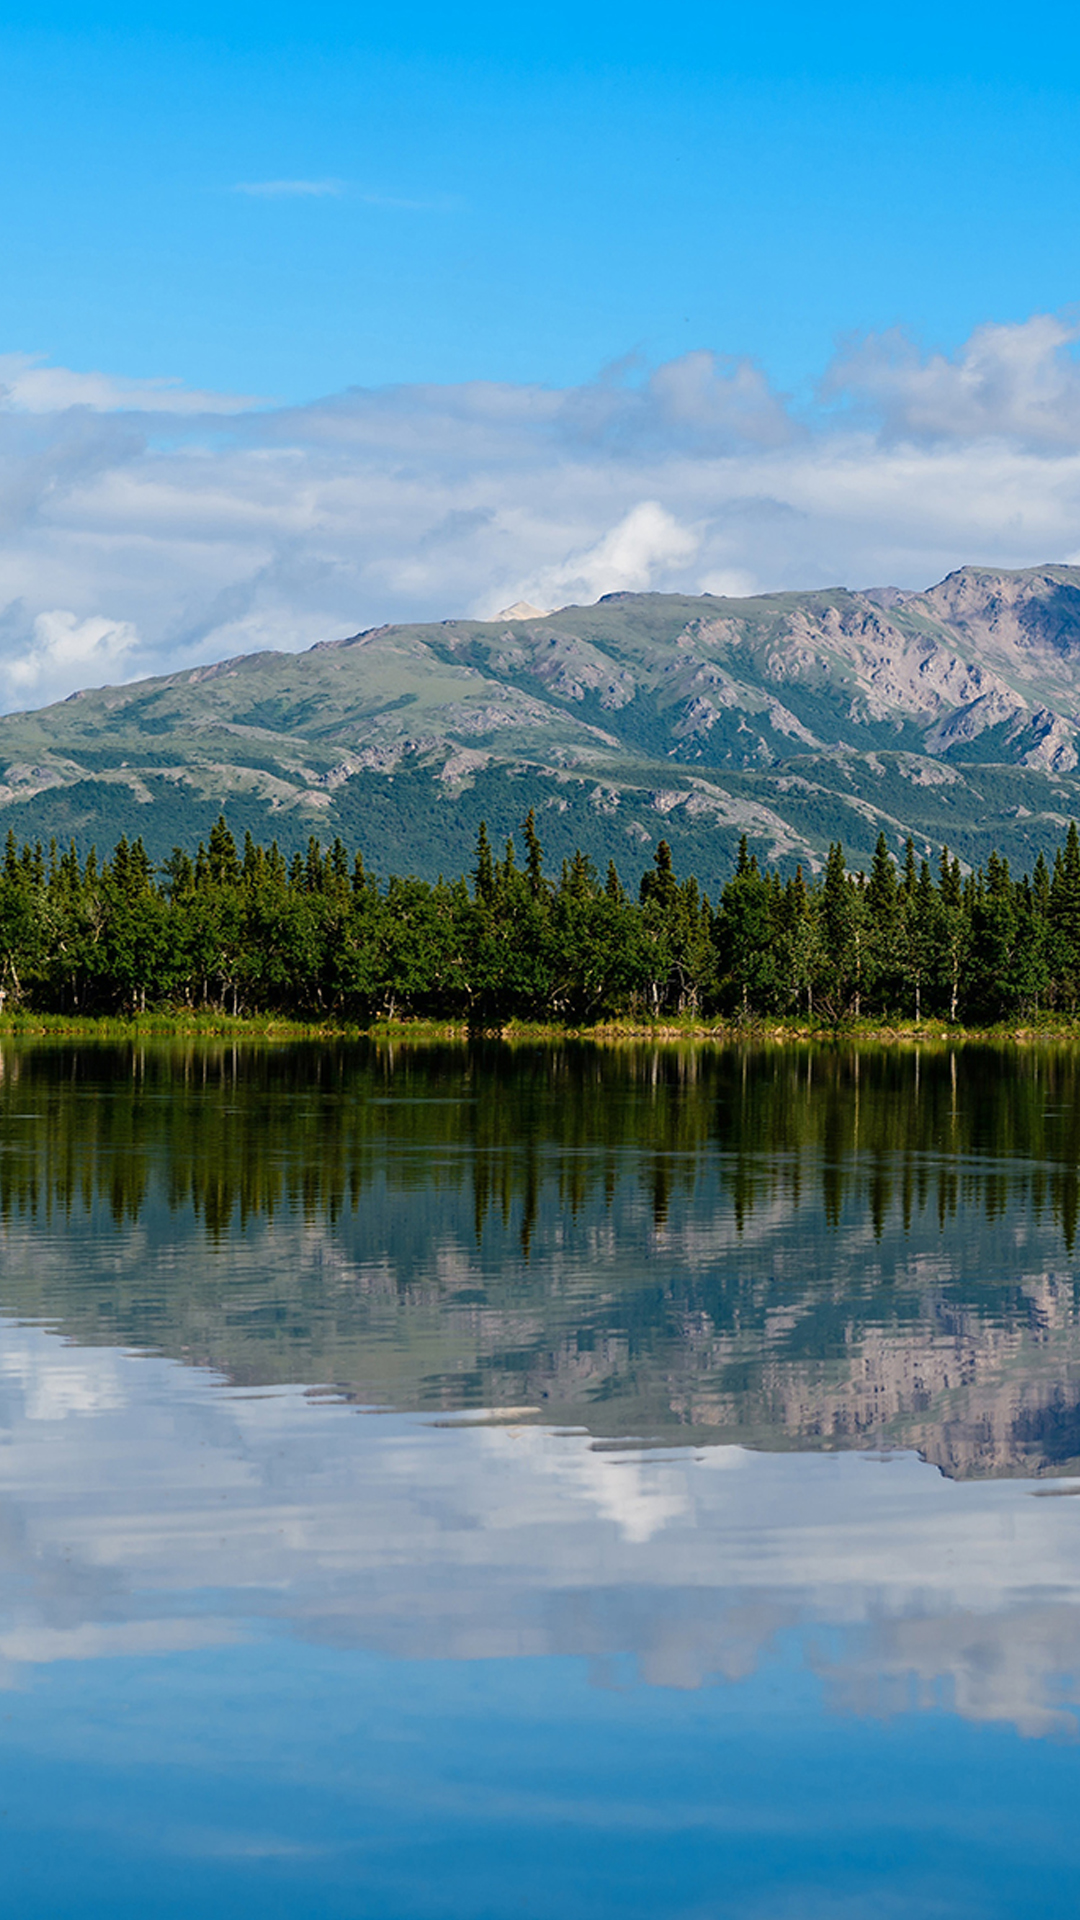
247 931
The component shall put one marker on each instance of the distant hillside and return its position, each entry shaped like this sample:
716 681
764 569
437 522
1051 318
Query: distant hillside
796 718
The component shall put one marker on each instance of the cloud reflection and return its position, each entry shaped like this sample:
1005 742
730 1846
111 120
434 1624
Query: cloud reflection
157 1511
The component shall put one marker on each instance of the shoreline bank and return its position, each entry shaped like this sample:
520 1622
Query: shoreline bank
696 1032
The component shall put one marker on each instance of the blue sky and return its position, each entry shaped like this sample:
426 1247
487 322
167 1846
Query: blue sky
528 194
315 318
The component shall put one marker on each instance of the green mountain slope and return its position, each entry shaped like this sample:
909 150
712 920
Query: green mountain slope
795 718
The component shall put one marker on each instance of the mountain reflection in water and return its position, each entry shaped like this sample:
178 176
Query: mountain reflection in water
443 1483
818 1248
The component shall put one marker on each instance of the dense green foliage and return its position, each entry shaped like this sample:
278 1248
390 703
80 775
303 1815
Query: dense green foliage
250 932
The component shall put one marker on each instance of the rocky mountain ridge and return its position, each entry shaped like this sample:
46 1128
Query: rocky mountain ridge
794 717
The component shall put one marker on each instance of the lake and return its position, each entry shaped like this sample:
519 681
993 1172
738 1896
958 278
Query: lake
463 1482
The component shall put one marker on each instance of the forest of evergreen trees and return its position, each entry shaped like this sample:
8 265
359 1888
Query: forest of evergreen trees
245 931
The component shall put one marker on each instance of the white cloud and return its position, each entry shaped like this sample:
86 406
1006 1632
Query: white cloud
322 189
703 395
644 549
290 189
1019 382
145 526
30 386
64 651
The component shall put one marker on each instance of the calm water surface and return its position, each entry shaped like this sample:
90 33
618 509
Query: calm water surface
468 1483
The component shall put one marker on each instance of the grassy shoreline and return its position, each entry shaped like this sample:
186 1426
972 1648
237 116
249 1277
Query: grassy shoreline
778 1031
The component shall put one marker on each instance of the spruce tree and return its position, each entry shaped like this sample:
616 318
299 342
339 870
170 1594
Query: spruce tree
1064 919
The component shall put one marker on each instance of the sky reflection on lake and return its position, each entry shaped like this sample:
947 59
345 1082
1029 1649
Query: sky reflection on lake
292 1623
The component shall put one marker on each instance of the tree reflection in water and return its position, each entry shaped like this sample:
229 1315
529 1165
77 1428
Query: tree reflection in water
816 1246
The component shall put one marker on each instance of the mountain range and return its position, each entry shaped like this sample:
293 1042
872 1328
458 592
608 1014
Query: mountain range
795 718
